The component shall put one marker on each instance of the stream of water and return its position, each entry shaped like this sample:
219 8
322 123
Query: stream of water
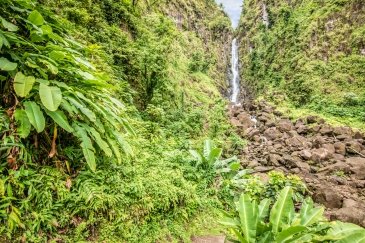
235 81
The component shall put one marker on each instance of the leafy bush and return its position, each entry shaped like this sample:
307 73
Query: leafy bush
252 222
251 185
49 82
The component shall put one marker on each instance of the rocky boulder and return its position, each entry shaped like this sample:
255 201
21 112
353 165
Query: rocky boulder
321 154
357 166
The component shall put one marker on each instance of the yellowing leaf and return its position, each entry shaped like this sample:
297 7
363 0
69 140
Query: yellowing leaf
23 84
51 96
7 65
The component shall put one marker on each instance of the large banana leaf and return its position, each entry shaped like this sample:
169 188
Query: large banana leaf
287 234
248 218
342 231
282 210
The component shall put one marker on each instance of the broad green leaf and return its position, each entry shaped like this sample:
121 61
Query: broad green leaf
7 65
340 230
90 158
354 238
230 222
36 18
312 216
248 218
47 30
208 145
60 118
115 149
57 55
264 207
51 96
86 145
87 112
266 238
9 26
282 209
42 81
214 155
101 143
123 144
288 233
51 67
197 156
86 75
23 122
23 84
2 188
82 135
35 115
4 41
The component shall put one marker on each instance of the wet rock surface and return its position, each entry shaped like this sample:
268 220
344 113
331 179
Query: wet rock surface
331 160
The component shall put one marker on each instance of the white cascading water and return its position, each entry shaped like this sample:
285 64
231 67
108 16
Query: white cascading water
235 82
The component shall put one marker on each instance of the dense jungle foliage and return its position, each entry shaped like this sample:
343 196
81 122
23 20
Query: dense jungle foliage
101 102
312 52
113 128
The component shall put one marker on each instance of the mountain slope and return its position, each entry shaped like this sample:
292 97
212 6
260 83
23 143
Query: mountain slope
138 90
310 51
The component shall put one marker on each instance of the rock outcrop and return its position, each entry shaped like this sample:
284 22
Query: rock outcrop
331 160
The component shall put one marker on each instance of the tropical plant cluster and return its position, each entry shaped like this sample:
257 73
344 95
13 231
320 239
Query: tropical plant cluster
278 221
99 108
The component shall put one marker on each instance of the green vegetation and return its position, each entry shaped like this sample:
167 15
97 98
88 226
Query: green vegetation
263 222
100 104
104 106
311 55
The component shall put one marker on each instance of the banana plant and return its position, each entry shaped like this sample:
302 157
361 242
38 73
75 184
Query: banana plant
252 222
209 158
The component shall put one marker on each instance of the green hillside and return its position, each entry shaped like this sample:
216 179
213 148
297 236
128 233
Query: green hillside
100 103
312 52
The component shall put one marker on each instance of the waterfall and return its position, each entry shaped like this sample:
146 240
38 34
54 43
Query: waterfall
235 81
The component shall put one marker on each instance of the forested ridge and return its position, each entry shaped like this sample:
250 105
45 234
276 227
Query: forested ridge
116 125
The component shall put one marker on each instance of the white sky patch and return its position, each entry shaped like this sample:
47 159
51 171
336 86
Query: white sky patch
233 8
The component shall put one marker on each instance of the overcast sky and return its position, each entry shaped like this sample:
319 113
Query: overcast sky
233 8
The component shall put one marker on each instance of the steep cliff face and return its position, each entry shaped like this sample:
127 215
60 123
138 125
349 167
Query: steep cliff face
310 51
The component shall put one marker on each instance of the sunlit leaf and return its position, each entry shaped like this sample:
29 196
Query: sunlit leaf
35 115
7 65
36 18
23 84
51 96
